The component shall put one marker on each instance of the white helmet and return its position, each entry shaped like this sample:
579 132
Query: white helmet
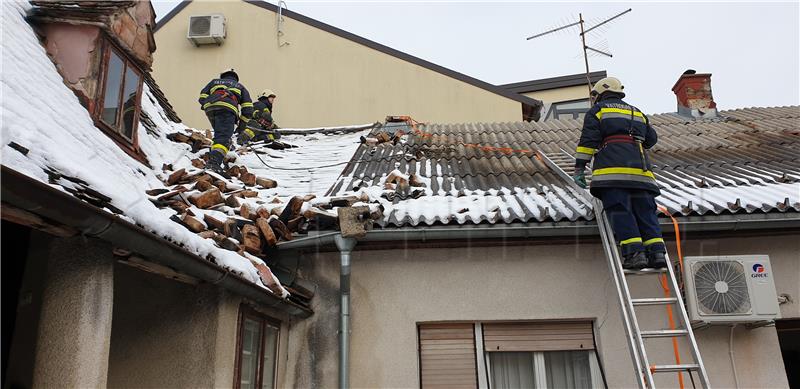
608 84
267 93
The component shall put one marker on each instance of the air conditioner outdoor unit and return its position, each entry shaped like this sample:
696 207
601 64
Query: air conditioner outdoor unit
730 290
206 29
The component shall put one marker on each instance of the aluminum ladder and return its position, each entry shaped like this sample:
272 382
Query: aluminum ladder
636 336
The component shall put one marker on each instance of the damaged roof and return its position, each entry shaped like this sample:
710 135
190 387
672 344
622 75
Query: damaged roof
743 161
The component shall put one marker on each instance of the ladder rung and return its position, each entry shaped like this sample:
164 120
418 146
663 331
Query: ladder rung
663 333
654 301
673 368
644 271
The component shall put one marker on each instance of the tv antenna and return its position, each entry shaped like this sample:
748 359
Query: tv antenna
586 48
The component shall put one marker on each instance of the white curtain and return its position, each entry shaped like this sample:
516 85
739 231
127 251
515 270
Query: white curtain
539 370
512 370
568 369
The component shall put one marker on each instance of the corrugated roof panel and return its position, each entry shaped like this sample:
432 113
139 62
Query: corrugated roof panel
745 160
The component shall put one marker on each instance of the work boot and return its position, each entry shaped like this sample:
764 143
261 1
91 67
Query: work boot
215 162
657 260
635 261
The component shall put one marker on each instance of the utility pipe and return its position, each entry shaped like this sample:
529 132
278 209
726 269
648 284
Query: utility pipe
345 246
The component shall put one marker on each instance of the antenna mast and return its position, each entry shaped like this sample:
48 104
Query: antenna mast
583 33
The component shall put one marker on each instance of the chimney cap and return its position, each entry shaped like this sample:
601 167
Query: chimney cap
688 75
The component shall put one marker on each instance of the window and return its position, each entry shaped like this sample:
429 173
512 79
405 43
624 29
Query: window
509 355
572 109
256 355
119 103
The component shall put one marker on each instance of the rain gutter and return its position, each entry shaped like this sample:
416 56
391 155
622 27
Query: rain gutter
23 192
689 224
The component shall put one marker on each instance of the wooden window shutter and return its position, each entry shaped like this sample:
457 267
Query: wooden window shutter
447 355
541 336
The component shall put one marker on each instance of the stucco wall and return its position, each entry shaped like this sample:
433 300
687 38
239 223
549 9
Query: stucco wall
560 94
320 79
393 290
170 334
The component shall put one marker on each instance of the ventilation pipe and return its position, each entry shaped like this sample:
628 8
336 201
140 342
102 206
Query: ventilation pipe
345 246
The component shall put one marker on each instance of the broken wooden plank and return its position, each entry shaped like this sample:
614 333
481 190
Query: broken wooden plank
266 183
292 209
214 222
193 224
248 178
178 190
280 229
251 239
207 199
266 231
176 176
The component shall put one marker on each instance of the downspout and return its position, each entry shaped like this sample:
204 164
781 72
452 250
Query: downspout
345 246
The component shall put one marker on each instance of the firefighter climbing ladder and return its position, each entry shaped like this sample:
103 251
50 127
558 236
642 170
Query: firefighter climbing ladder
636 336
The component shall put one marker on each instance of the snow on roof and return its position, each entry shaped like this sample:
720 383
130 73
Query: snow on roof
745 161
42 115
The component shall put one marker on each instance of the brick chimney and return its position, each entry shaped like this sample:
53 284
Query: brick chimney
694 95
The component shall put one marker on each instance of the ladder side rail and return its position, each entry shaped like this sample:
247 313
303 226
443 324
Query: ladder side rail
690 333
616 272
635 338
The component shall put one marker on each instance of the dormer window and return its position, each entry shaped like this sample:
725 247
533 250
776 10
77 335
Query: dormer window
118 106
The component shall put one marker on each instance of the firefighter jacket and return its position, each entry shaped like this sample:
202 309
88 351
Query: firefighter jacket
262 113
616 134
226 93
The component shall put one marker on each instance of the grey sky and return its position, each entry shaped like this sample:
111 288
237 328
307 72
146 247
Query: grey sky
752 49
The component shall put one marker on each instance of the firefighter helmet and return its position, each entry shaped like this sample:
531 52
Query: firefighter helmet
229 72
608 84
267 93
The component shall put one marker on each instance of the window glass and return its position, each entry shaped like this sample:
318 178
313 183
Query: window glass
111 96
574 105
538 370
568 369
512 370
251 341
270 349
129 102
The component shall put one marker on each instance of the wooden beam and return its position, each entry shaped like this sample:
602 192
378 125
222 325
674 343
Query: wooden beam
29 219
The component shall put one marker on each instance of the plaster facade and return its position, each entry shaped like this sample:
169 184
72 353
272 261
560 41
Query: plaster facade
394 290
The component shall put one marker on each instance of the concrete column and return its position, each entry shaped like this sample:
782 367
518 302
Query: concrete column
75 323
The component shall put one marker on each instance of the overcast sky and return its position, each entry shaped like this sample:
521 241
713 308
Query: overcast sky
752 49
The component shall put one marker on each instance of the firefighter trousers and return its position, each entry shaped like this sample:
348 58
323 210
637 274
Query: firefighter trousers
223 122
632 213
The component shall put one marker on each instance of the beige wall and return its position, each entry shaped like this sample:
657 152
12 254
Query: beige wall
393 290
320 79
560 94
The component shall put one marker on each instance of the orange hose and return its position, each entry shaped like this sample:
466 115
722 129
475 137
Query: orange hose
665 286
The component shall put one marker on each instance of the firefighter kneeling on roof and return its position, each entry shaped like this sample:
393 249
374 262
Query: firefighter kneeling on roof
616 134
262 126
221 100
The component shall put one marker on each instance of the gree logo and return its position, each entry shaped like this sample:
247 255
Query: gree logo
759 271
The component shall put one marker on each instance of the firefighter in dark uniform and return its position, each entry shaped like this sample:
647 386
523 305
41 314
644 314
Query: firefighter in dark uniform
262 126
222 100
617 135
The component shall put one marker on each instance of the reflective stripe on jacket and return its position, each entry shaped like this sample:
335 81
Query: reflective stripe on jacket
615 134
226 93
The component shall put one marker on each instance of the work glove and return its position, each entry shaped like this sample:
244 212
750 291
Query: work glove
580 179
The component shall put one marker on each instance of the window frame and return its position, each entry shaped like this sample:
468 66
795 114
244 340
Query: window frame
117 133
553 112
247 312
482 360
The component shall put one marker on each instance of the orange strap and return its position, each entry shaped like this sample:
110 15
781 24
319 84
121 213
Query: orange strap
665 286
